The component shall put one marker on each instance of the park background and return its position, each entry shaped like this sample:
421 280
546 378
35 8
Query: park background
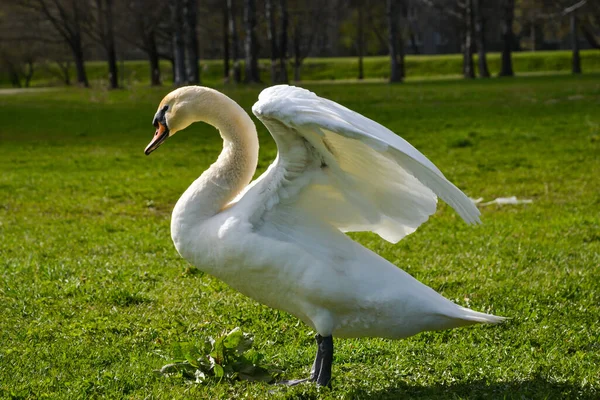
95 298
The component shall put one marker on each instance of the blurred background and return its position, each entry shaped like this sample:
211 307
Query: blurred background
117 43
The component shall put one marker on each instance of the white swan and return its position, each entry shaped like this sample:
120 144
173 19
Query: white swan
279 239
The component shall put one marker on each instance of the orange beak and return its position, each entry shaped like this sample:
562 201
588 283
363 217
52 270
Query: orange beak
161 134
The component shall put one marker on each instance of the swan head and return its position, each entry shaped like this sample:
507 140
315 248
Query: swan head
178 110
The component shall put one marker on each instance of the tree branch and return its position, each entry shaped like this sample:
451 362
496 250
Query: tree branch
64 31
448 11
589 37
564 12
574 7
63 16
375 29
32 39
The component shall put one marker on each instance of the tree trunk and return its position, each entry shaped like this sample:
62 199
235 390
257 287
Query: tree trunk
146 31
29 73
401 56
178 42
576 67
533 34
392 20
80 65
480 38
173 69
272 37
153 59
113 73
297 56
235 46
468 67
66 74
13 73
507 38
411 31
283 42
360 41
76 44
403 7
68 25
225 42
251 45
190 13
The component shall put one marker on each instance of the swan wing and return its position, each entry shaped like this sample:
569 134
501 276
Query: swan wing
346 170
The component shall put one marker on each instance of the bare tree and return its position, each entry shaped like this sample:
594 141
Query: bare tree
18 62
378 23
307 25
57 62
283 41
563 8
179 70
149 40
28 43
480 39
110 46
460 11
468 67
506 68
277 43
235 46
396 46
19 48
557 9
225 25
251 44
67 18
572 11
590 24
589 36
102 31
190 14
272 37
148 19
576 60
360 39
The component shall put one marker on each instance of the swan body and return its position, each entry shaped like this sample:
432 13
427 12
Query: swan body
280 240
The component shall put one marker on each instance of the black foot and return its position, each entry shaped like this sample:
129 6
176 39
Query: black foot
293 382
321 368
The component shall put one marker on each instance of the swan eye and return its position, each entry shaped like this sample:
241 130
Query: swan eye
160 117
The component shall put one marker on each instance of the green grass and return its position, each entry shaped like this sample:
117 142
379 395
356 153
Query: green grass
342 68
94 297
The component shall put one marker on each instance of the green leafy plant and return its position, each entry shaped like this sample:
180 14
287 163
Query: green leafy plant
229 357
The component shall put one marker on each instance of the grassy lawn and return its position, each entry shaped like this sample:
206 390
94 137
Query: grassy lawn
332 69
94 296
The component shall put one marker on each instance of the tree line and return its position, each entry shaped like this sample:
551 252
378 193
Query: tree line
34 33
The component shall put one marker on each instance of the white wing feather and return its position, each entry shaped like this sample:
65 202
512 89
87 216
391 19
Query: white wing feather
346 170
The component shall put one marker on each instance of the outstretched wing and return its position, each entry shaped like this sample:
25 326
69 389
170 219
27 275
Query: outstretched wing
346 170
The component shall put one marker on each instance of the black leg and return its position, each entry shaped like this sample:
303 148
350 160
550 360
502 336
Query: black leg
326 349
316 368
321 369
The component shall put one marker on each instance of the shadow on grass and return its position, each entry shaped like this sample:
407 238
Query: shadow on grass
536 388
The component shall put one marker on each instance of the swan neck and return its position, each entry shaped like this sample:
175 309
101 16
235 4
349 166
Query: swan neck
234 168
